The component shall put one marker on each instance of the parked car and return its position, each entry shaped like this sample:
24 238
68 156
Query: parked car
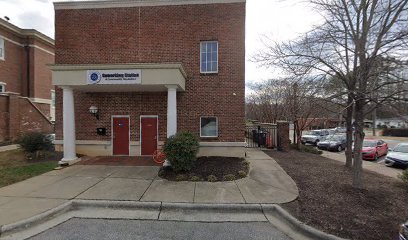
373 149
403 234
398 156
335 142
314 136
340 129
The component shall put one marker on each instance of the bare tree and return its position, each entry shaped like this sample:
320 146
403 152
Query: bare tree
357 43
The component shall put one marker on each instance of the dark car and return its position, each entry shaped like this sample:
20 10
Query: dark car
403 234
333 143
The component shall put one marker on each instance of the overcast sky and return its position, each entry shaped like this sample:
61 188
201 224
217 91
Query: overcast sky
277 19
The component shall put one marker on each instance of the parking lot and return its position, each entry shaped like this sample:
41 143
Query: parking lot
374 165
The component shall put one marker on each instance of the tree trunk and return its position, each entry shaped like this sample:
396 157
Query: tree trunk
298 136
349 132
358 144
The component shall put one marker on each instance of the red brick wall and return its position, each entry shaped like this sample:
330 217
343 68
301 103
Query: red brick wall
162 34
18 116
13 70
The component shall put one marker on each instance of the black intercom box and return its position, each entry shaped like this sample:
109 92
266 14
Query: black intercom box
101 131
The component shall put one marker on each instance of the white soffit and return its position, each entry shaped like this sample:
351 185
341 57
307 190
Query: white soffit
134 3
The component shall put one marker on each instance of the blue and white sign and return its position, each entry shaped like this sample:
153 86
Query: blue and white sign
121 76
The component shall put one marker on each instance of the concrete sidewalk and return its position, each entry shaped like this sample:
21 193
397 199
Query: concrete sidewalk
267 183
9 147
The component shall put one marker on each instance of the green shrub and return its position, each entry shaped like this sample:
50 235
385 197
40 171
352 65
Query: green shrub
212 178
229 177
195 179
35 141
181 150
242 174
404 176
246 163
306 148
181 177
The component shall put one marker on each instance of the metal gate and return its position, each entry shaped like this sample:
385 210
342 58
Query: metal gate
261 136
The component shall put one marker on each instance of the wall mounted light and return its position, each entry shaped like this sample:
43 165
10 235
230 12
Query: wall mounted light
94 111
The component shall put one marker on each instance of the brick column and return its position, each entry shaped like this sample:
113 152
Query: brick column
14 116
283 136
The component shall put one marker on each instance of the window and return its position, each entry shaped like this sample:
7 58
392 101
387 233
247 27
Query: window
209 127
2 87
209 57
1 48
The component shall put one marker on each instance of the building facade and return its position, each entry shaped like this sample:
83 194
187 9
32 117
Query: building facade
129 74
25 81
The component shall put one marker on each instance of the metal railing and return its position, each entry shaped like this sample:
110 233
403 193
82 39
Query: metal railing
261 136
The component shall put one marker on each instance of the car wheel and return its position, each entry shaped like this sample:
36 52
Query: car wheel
376 157
339 149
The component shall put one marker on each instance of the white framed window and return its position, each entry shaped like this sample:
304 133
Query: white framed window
2 87
2 51
209 57
208 127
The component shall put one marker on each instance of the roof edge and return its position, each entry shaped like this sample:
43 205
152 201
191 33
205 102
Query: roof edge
27 32
134 3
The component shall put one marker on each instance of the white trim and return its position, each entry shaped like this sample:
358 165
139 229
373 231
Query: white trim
134 3
210 41
3 85
222 144
119 116
3 49
216 126
41 100
140 130
30 45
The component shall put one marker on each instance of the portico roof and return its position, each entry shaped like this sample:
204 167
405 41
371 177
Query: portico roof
154 77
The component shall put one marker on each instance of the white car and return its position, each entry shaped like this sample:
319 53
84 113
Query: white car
315 136
398 156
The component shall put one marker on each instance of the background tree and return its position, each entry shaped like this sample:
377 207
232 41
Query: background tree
357 44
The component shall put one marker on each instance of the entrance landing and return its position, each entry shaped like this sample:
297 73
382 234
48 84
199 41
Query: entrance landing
120 161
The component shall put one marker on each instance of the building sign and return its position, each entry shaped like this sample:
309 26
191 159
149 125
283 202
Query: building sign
114 76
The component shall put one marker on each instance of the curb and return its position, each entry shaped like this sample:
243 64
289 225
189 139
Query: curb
282 215
297 225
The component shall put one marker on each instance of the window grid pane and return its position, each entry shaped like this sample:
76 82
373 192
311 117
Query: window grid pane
209 57
209 127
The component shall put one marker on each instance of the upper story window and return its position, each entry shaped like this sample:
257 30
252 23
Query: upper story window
1 49
209 57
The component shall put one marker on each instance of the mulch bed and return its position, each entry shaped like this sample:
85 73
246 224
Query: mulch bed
205 166
329 203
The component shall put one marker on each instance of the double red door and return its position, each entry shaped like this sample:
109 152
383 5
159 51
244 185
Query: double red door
148 133
120 135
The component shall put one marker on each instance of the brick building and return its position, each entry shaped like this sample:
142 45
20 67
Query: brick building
26 88
131 73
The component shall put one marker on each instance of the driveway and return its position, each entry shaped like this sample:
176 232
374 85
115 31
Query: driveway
267 183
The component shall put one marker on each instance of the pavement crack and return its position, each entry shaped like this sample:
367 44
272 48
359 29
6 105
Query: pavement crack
240 192
140 199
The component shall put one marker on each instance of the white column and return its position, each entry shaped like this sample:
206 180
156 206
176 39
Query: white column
68 119
171 110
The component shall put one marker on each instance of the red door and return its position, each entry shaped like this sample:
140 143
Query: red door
120 136
149 135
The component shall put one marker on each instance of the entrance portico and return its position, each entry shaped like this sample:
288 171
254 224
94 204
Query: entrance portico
149 78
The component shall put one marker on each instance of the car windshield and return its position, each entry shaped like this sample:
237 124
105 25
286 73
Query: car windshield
315 133
369 143
335 138
401 148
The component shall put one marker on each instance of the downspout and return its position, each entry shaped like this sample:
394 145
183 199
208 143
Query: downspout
27 50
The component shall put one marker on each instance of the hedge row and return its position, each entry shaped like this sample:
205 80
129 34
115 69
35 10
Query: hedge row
395 132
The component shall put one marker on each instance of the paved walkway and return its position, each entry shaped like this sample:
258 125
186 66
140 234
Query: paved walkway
9 147
267 183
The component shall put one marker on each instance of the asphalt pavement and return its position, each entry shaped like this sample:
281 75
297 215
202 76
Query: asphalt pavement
79 228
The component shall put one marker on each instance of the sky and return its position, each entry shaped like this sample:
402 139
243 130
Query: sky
279 20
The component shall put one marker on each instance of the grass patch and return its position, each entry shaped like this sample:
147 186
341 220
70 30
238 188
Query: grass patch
14 166
10 175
